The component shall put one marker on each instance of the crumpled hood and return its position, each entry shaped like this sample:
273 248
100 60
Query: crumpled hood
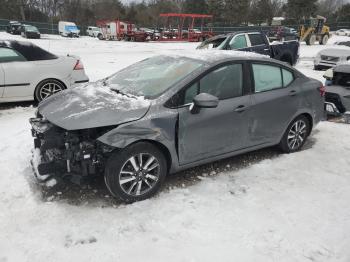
92 105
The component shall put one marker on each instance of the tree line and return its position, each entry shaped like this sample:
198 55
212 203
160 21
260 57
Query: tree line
146 13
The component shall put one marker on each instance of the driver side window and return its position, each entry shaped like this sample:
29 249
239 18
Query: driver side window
238 42
225 82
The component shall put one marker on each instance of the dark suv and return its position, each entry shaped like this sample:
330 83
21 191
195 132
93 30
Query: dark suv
14 28
169 113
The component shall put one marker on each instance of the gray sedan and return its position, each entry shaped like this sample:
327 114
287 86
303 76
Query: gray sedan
170 113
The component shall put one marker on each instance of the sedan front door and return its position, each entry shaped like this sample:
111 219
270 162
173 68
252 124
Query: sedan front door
214 131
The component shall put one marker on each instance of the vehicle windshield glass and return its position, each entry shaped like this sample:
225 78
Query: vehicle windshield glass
151 77
218 43
71 28
32 29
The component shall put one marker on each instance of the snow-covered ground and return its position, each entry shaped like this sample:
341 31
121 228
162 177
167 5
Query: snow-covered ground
262 206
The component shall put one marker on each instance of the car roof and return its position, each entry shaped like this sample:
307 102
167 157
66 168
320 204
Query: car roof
12 43
212 57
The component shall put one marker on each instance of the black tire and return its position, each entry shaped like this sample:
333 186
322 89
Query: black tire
38 93
120 161
100 37
324 39
317 68
286 143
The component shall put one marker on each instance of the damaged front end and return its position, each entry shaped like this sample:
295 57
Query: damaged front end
67 155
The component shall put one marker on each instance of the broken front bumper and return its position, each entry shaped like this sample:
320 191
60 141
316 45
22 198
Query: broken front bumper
59 154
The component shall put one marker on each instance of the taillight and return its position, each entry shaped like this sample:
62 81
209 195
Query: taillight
79 65
322 90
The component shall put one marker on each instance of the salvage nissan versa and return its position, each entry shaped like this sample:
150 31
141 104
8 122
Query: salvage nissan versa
169 113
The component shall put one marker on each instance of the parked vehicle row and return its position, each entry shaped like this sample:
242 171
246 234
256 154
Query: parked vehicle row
254 42
170 113
41 73
27 31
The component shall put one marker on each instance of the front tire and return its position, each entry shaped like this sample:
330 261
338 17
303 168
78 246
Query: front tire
295 136
311 40
47 88
136 172
324 39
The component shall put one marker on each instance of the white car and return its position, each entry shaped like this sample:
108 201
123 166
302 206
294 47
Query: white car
28 72
93 31
343 32
330 57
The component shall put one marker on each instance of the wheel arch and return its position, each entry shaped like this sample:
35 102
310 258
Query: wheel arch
163 148
305 114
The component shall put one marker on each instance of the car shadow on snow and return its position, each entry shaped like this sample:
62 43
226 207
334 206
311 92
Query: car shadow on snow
95 193
12 105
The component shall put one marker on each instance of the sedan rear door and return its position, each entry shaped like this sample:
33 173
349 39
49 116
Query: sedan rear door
276 100
18 72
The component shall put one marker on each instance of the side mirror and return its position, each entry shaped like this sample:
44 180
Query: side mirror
204 100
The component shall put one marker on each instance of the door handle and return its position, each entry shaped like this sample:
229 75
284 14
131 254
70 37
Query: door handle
293 93
240 109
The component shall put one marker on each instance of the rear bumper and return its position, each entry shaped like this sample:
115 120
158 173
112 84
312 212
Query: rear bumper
77 77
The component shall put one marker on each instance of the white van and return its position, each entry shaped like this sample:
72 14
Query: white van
68 29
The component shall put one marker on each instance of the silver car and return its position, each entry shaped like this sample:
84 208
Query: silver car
338 90
330 57
170 113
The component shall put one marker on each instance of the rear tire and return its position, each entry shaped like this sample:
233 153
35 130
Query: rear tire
131 174
296 134
47 88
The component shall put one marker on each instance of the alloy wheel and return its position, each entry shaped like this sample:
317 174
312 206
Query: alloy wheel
49 89
297 135
139 174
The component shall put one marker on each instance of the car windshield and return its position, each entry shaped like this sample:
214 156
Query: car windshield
217 43
151 77
31 29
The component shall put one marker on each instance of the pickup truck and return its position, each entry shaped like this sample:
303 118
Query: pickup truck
254 42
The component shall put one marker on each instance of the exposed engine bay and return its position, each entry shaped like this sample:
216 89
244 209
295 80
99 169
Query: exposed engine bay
72 155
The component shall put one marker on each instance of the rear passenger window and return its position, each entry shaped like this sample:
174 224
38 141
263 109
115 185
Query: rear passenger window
266 77
256 39
9 55
287 77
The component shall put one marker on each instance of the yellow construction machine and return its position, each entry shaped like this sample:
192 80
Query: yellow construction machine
314 30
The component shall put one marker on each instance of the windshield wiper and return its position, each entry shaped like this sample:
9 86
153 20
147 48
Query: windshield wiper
122 93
